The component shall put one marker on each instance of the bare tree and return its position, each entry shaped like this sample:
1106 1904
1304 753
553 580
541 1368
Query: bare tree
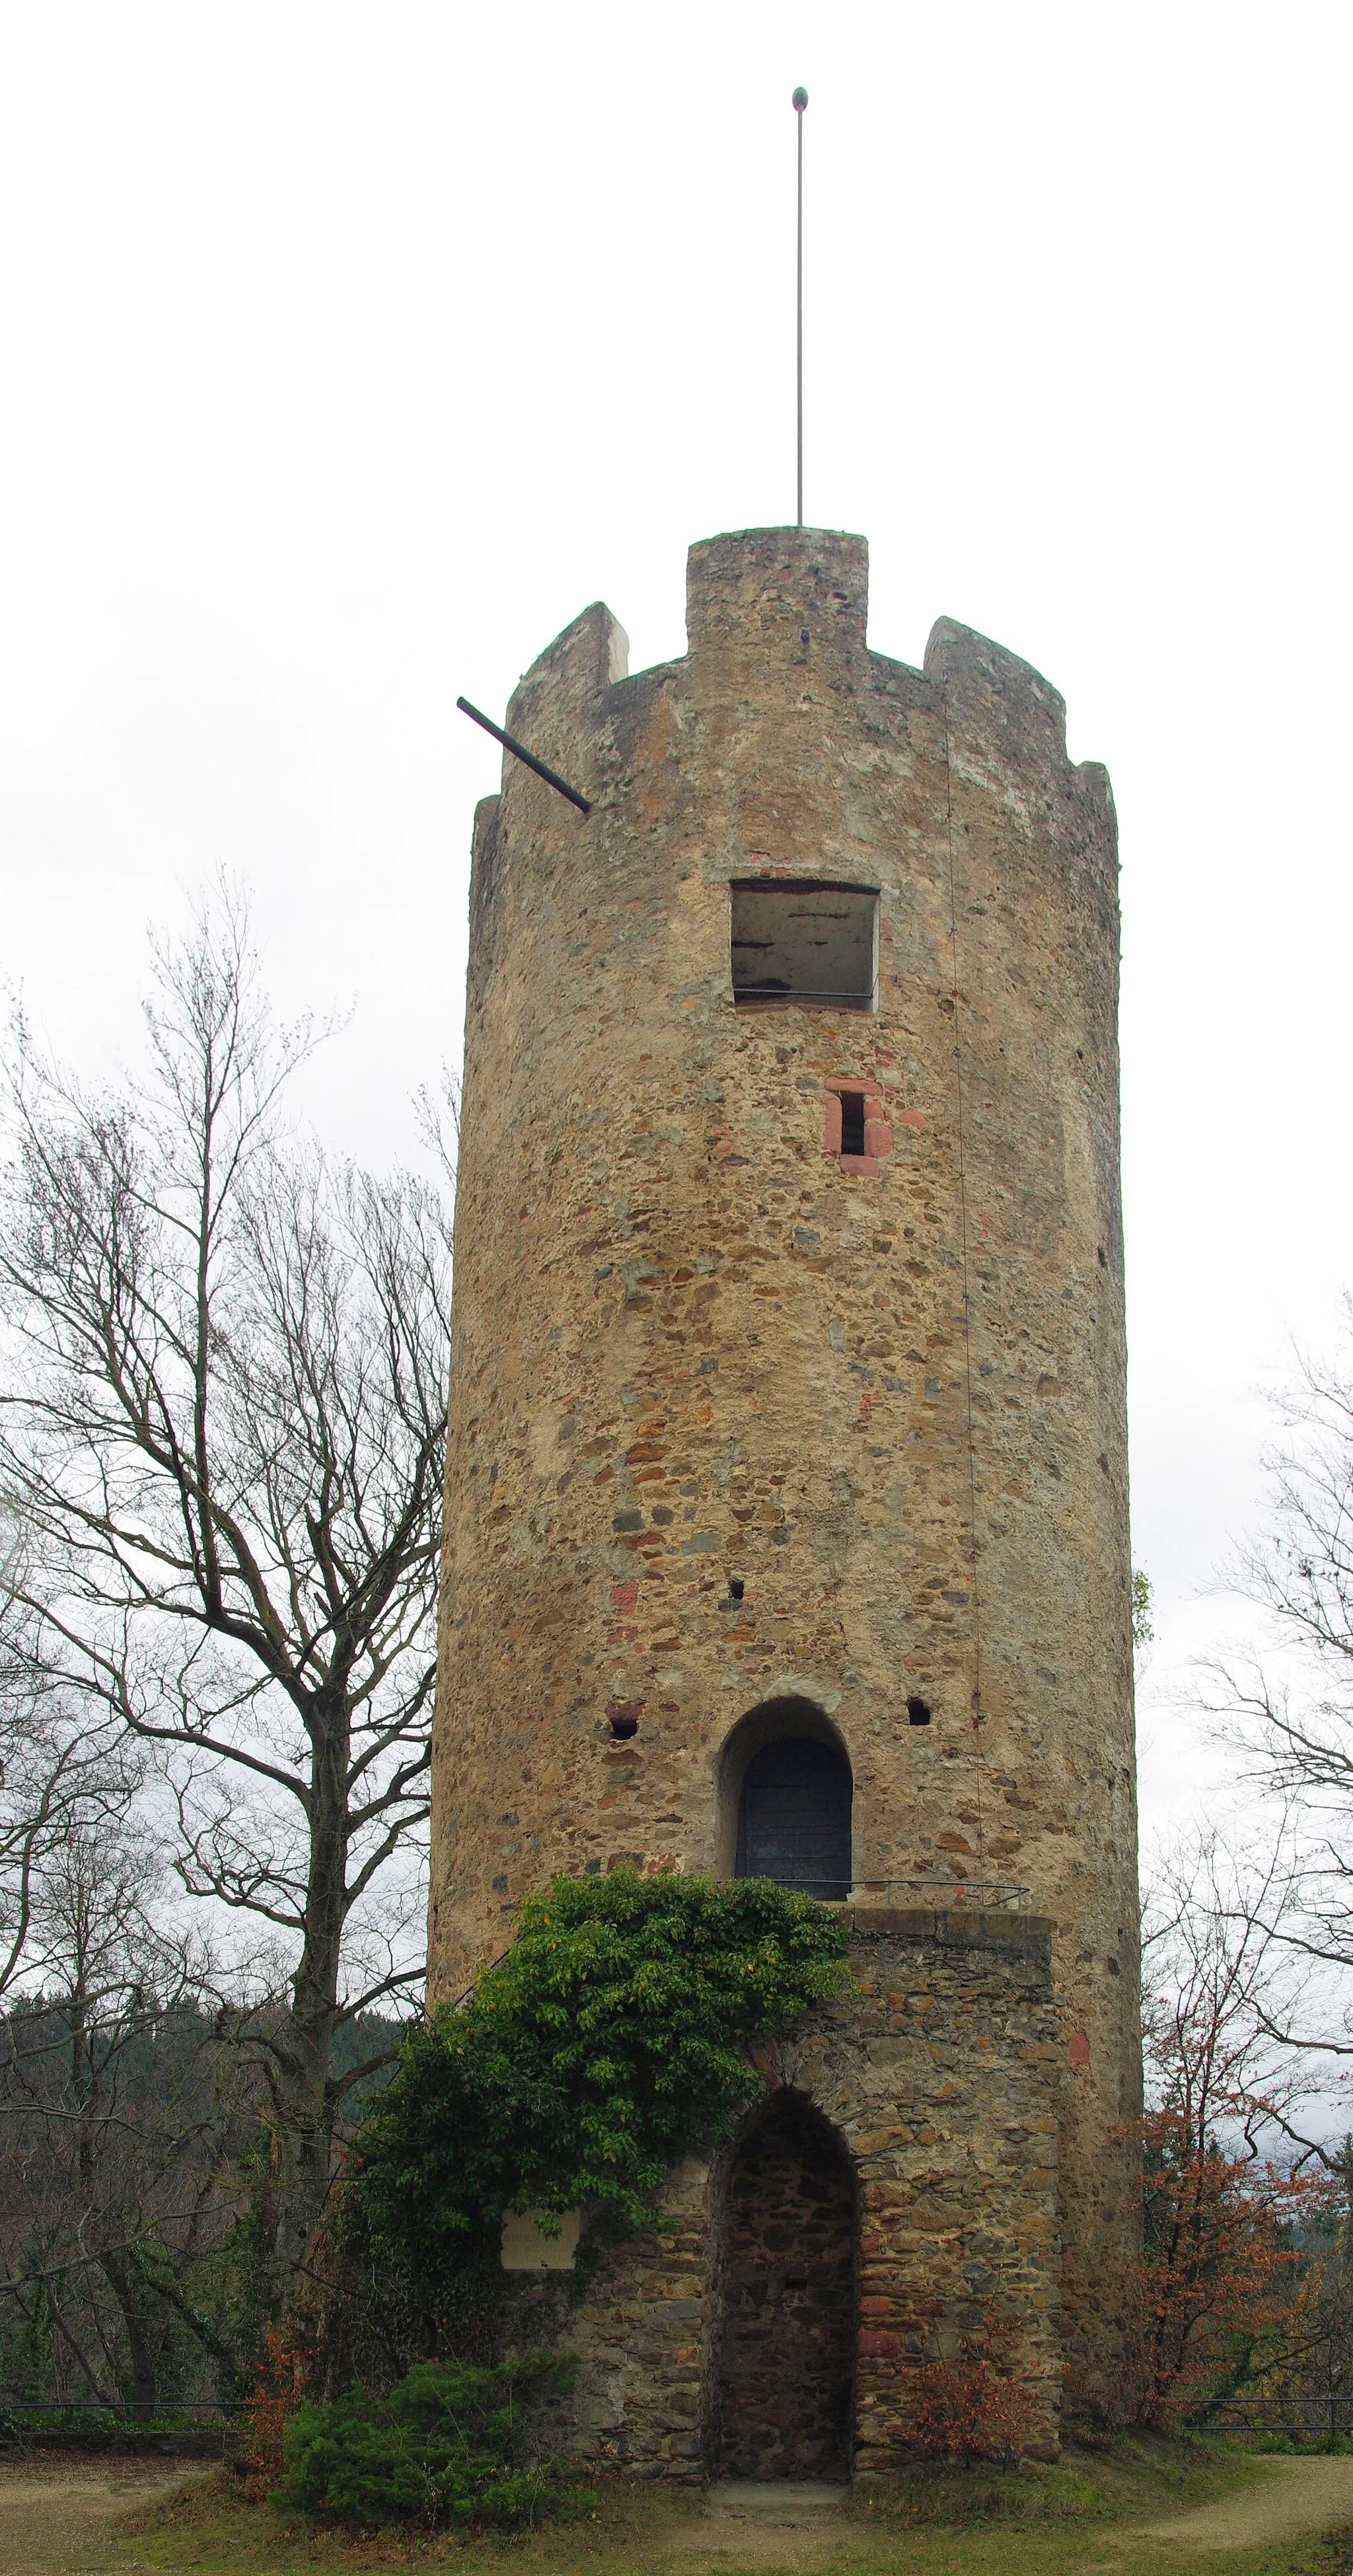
1288 1712
222 1428
40 1767
1218 1979
55 1775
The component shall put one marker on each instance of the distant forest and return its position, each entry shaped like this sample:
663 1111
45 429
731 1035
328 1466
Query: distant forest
136 2199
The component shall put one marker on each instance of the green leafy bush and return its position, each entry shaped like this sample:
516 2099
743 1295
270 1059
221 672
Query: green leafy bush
444 2447
614 2035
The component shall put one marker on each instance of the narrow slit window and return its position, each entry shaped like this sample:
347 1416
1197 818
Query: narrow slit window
796 941
852 1122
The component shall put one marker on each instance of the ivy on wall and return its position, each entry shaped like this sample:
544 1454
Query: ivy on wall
612 2038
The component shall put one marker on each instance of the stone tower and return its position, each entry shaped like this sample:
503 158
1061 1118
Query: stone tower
787 1479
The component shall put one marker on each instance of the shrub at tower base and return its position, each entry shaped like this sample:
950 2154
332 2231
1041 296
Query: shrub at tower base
614 2036
449 2445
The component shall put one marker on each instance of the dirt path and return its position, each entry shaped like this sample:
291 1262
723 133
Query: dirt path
59 2519
62 2519
1299 2496
776 2525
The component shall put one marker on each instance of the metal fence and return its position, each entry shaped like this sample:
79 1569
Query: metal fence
1322 2418
71 2414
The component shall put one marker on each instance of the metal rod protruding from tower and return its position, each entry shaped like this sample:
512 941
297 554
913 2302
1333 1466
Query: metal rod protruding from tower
799 102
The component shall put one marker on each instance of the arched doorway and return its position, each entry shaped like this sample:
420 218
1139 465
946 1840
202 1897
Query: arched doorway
783 2400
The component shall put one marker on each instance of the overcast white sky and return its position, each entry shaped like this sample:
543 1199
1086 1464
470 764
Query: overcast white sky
349 351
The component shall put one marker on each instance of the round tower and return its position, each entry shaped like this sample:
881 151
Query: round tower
787 1474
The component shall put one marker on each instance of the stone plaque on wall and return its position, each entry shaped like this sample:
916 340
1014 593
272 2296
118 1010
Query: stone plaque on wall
527 2248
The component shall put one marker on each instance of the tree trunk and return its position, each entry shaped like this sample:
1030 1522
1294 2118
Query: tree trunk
131 2297
307 2099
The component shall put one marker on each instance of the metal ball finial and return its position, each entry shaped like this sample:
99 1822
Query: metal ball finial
799 101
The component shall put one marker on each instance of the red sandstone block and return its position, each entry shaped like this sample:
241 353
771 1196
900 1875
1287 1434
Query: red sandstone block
884 2346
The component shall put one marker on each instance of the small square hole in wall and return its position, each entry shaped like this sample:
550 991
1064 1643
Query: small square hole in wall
852 1122
918 1712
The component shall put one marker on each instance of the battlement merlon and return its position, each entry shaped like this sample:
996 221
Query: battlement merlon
555 703
783 591
796 599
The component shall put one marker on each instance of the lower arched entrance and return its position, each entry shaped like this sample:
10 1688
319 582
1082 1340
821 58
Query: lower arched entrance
785 2353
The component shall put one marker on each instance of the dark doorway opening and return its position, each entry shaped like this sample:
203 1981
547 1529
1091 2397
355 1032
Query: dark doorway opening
794 1818
784 2392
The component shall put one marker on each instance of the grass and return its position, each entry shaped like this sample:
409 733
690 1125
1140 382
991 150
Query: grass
1078 2518
1095 2481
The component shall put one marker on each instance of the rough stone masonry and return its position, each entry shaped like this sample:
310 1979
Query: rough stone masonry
787 1399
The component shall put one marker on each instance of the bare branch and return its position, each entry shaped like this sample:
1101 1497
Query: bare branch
222 1427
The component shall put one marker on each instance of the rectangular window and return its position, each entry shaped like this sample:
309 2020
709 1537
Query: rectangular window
852 1122
795 941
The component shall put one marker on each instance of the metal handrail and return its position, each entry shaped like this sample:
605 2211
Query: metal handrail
993 1892
998 1894
802 993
